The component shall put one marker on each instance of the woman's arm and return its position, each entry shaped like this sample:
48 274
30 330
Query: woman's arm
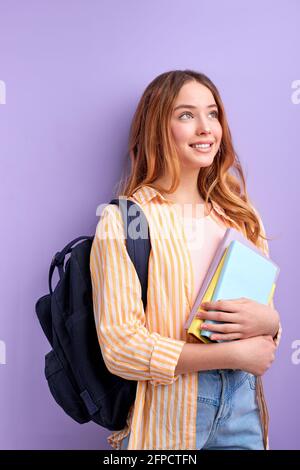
254 355
128 348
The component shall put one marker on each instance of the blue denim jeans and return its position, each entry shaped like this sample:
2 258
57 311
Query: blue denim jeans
125 442
227 412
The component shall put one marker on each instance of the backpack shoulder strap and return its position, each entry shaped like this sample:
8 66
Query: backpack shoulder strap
138 247
59 258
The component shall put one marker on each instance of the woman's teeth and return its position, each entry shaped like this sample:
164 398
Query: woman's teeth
202 147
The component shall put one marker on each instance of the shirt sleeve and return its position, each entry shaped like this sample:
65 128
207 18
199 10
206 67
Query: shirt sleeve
265 248
128 348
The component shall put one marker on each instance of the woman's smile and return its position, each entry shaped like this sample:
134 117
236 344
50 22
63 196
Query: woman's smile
202 148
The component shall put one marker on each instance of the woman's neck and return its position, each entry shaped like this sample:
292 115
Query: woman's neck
185 196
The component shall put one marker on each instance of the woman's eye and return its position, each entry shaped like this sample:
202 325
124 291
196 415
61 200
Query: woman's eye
215 113
185 114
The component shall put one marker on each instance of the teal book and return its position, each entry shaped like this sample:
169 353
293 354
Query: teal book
245 273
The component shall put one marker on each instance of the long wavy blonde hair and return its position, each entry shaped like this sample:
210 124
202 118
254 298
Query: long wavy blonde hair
153 153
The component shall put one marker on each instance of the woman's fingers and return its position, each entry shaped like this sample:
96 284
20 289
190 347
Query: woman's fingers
232 305
229 337
222 328
216 315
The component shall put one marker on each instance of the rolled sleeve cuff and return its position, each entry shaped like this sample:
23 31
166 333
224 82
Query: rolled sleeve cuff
164 360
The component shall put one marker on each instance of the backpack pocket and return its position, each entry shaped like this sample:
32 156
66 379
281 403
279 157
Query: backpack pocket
62 388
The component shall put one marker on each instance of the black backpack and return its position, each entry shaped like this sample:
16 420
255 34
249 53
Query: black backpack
75 370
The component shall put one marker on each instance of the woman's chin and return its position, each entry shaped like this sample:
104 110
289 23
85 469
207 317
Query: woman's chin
201 162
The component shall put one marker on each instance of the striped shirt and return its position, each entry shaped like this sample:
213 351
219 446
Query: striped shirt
145 345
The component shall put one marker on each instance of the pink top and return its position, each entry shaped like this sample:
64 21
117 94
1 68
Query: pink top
203 237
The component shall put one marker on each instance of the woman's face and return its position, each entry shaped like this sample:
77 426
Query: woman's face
197 122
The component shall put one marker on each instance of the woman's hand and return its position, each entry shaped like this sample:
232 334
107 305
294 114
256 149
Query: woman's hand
242 318
254 355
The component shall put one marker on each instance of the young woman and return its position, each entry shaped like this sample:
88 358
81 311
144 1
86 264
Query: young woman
190 395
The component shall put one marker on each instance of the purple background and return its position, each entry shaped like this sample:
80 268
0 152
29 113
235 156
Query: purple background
74 72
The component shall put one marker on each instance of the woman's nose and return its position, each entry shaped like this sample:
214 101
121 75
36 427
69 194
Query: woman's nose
203 126
203 129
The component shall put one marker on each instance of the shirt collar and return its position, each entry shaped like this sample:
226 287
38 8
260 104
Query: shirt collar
146 193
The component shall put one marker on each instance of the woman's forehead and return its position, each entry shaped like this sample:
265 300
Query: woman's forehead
194 94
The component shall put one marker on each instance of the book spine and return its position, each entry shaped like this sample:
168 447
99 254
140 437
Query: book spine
215 296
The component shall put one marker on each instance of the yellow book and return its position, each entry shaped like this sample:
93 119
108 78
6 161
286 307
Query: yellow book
195 326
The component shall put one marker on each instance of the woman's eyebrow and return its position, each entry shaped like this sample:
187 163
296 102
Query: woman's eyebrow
193 107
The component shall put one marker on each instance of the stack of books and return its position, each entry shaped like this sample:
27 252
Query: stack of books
239 269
